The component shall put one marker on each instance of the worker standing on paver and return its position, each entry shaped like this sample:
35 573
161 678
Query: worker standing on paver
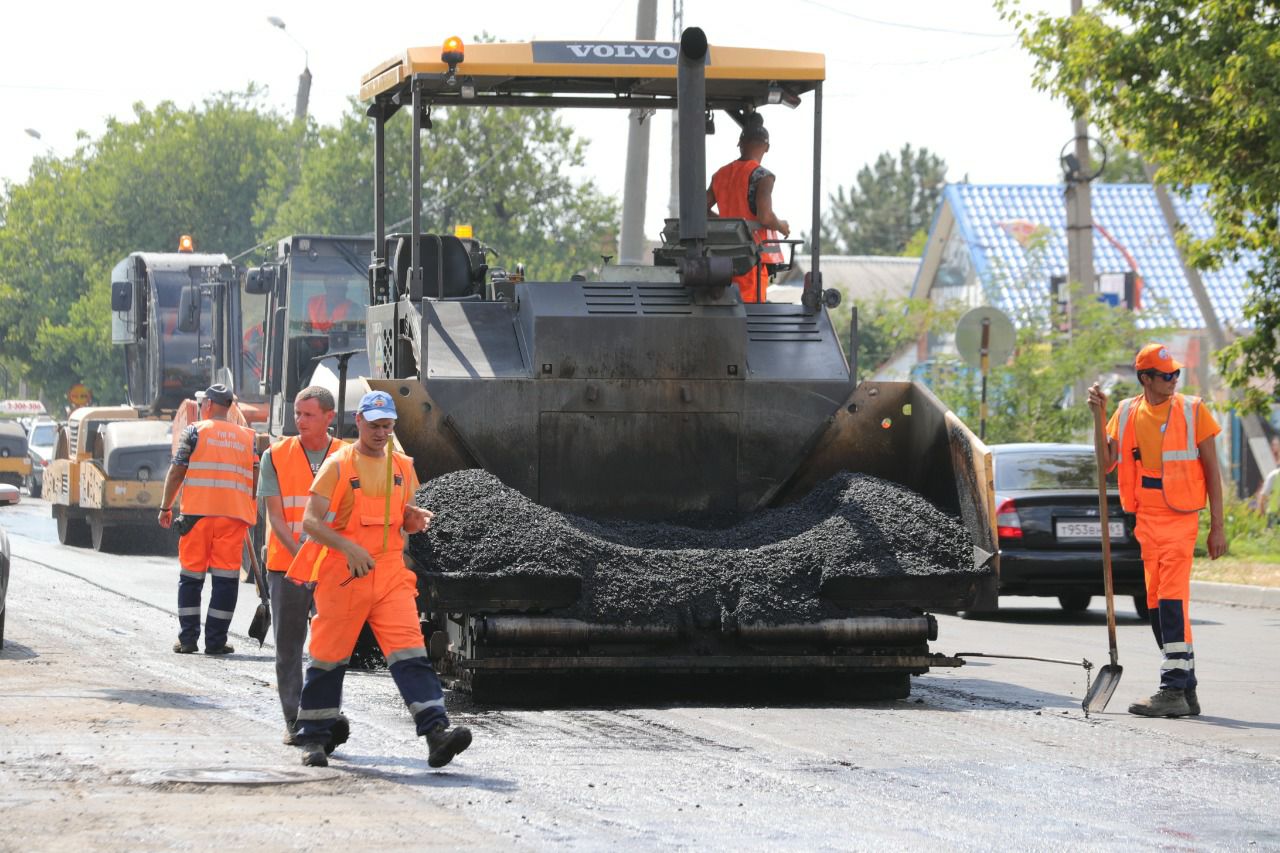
744 189
288 468
215 466
361 506
1163 442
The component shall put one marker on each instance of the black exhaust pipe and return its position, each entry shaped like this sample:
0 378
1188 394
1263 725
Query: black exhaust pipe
691 103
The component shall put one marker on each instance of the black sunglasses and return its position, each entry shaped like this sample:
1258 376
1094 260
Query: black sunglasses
1167 377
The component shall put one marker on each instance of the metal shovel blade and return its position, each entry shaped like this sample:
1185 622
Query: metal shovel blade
260 624
1095 701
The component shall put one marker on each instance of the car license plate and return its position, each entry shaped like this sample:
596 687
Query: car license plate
1082 529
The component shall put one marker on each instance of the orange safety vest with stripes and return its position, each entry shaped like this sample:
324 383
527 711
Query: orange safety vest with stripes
375 522
731 186
219 480
1181 473
294 474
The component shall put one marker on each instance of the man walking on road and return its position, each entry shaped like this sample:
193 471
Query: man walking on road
288 468
1163 443
361 506
215 467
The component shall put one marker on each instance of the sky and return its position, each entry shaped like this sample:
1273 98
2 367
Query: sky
946 75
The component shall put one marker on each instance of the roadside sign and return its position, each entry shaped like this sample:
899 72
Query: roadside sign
1000 336
22 407
79 395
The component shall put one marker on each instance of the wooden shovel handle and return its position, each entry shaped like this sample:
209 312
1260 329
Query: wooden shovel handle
1100 451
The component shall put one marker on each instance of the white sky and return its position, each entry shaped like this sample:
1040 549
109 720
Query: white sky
924 72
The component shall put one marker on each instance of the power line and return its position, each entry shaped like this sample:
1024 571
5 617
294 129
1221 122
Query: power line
903 26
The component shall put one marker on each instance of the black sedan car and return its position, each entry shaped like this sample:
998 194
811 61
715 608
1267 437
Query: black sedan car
1049 529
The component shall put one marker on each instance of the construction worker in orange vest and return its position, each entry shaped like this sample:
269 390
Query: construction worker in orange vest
215 466
361 506
744 189
288 468
1163 443
324 310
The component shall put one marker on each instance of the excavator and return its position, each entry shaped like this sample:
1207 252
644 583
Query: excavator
652 393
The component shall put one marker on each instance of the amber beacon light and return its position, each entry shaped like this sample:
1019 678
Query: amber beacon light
185 244
452 52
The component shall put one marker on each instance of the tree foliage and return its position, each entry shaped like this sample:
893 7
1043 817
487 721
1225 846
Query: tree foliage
504 171
234 174
1194 86
1122 165
1029 398
138 187
888 204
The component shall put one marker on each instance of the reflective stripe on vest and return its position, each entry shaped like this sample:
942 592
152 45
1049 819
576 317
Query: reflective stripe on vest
219 479
294 476
1181 474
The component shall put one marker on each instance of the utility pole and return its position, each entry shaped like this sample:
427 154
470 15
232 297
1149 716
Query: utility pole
1255 436
636 185
304 79
673 204
1079 209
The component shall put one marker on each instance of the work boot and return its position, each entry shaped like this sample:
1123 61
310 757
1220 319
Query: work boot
445 744
1169 702
339 734
223 649
184 648
290 733
1192 702
313 755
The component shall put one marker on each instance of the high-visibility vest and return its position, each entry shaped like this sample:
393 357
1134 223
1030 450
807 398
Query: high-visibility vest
374 522
321 317
1181 473
219 478
731 185
293 473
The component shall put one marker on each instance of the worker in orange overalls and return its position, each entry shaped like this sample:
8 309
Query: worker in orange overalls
215 466
1163 443
361 506
744 189
288 468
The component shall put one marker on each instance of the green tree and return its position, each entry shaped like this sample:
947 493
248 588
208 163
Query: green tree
1123 166
885 326
144 182
1028 398
889 202
1194 86
504 171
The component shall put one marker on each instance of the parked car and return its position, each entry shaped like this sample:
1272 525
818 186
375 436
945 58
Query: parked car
9 495
42 435
1049 529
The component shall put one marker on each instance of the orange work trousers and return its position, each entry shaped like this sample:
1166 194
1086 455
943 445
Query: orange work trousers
1168 539
386 598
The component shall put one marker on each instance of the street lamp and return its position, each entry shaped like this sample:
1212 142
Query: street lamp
304 79
35 134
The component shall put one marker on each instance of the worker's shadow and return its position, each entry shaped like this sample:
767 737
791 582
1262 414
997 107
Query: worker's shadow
160 699
1229 723
417 772
17 651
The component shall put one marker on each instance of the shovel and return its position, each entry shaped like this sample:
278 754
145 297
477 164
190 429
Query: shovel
262 616
1095 701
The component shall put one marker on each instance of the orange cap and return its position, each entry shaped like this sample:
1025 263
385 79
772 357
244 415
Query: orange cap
1156 357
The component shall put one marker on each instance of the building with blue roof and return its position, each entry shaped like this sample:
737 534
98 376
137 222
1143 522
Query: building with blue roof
1000 244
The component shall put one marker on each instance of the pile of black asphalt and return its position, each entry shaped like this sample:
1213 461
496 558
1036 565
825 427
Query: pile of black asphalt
765 567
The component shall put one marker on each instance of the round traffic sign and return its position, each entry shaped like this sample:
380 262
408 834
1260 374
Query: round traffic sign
1000 337
79 395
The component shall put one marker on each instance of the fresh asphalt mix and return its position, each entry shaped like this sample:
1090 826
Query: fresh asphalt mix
989 754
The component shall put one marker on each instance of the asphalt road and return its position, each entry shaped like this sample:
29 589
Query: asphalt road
98 718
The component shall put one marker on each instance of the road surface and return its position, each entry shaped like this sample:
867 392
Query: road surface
101 727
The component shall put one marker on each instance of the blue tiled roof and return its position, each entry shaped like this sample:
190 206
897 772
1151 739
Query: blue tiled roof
1015 277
